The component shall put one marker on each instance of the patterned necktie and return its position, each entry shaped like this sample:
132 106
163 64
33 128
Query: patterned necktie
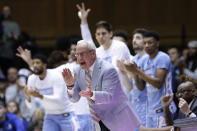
88 78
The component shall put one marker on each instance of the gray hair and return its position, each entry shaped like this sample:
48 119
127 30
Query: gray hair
90 44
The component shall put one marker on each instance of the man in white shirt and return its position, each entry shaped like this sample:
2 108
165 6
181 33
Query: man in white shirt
110 50
49 86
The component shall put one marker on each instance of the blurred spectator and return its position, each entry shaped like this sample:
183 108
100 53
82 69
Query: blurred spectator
9 122
72 41
71 56
10 35
13 107
191 61
187 103
175 60
38 125
23 75
185 52
3 85
65 43
121 35
37 121
189 67
12 88
57 58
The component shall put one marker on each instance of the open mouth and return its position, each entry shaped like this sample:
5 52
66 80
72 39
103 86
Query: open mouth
82 63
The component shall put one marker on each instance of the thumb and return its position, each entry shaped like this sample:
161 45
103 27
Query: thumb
89 87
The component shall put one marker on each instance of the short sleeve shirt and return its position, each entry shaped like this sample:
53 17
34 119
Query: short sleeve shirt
149 66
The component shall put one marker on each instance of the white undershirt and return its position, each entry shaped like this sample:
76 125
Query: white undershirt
55 99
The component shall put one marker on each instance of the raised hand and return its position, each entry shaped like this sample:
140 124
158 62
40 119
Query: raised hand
166 100
183 105
68 78
83 13
25 54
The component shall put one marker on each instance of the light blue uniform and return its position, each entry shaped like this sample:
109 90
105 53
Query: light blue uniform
59 122
138 98
155 115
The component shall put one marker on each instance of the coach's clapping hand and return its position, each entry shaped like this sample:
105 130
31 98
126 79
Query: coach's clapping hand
68 78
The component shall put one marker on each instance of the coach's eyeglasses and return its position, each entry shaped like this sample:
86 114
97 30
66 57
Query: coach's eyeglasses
82 53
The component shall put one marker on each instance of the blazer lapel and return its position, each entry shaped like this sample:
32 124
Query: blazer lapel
194 104
96 74
83 80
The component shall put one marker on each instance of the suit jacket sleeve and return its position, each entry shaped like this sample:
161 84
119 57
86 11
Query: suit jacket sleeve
110 82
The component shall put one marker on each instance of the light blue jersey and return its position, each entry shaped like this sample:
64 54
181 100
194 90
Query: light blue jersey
138 98
155 115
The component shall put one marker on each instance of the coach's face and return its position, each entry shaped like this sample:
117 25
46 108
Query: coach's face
85 56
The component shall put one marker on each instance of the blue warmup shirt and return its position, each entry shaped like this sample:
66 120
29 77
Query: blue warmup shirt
11 123
139 98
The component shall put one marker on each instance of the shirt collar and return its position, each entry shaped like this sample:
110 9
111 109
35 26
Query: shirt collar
91 68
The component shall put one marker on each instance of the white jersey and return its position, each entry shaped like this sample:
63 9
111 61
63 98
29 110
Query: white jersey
117 51
54 91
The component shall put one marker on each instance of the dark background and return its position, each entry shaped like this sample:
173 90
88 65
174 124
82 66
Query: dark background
46 20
